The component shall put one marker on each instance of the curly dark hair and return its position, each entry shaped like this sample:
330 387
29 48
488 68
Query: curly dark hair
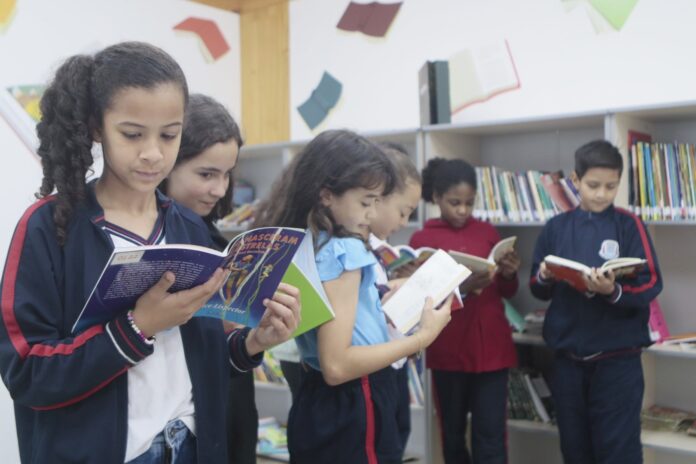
336 160
72 109
441 174
206 123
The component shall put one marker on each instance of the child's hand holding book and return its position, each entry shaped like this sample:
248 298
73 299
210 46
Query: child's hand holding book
509 264
600 282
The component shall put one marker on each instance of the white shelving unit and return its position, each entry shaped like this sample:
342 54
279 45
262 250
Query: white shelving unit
549 144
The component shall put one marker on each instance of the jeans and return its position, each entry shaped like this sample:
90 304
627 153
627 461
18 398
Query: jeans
174 445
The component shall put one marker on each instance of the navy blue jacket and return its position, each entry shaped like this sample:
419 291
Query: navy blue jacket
71 392
582 324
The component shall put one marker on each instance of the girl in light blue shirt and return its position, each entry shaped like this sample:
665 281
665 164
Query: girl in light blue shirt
345 410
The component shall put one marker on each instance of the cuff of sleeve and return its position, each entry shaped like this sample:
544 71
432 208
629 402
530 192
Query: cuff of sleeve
616 294
541 280
239 357
128 343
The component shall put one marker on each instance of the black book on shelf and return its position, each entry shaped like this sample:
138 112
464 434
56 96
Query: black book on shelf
433 82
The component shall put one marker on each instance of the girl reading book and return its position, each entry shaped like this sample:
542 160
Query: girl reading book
345 410
393 213
150 382
471 357
202 181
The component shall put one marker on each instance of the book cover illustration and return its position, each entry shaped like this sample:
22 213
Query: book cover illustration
321 101
392 258
479 74
213 43
372 19
258 260
257 263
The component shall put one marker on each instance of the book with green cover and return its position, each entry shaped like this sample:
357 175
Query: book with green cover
302 273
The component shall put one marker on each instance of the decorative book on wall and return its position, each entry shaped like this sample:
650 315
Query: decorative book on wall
605 15
19 106
373 19
479 74
213 43
321 101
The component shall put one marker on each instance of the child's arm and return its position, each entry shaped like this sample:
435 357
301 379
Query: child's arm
539 282
340 360
42 365
641 290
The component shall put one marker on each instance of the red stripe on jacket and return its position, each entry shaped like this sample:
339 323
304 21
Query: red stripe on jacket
8 288
77 399
66 348
648 255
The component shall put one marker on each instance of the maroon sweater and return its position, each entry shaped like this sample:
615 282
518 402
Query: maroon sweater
478 338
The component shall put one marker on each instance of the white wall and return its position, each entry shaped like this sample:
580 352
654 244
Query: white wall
42 34
564 65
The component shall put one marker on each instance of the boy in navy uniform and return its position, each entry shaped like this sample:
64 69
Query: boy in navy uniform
597 336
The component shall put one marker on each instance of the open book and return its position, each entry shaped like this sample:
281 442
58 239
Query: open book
478 264
258 260
439 276
393 257
574 272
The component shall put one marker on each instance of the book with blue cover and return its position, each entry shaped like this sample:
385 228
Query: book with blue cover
258 261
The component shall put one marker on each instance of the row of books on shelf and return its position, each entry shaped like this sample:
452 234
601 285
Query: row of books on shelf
241 217
527 196
529 397
662 178
664 419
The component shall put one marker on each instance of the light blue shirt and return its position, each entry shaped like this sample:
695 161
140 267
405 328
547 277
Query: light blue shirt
337 256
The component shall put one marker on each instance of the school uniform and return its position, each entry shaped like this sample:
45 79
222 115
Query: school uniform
71 392
597 339
242 415
471 356
403 408
354 422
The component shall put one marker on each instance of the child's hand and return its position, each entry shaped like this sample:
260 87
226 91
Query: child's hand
157 310
433 321
278 322
545 273
477 281
600 282
509 264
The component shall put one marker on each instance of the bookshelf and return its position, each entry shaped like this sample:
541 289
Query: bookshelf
548 144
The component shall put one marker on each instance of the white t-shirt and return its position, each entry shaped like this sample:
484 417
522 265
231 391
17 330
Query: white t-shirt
165 370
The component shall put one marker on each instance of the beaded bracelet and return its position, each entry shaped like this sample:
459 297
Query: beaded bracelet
136 329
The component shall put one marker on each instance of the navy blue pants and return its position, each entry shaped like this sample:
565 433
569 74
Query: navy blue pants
351 423
242 420
403 406
484 395
598 407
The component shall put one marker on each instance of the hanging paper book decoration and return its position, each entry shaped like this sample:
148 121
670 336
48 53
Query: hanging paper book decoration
605 15
214 43
8 8
316 108
19 106
371 19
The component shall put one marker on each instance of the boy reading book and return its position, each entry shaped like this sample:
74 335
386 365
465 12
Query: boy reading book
578 275
597 333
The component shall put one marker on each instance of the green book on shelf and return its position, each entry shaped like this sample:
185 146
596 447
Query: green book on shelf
514 318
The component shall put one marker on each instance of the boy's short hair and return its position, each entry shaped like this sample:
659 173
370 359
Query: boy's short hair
597 154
